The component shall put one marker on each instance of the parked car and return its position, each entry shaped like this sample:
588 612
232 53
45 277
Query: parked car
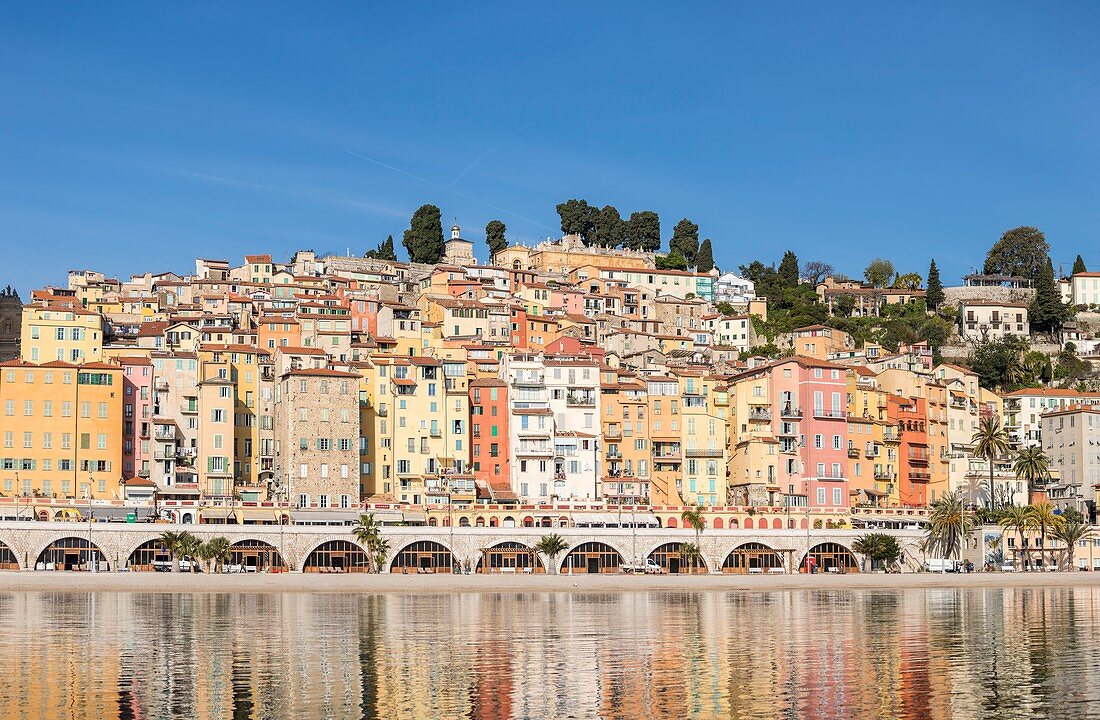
1008 567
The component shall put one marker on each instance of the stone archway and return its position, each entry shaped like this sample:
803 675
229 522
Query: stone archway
70 553
422 556
510 556
592 557
752 557
670 556
147 556
337 556
8 560
829 557
251 555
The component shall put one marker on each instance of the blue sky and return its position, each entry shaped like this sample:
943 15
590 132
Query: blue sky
139 138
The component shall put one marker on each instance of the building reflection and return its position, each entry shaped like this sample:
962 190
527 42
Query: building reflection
939 653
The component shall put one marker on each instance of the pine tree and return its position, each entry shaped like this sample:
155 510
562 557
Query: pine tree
609 227
1047 312
424 238
1079 265
384 251
934 297
643 231
685 239
673 261
494 237
788 269
704 261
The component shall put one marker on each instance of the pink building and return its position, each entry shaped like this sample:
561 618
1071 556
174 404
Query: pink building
137 412
810 420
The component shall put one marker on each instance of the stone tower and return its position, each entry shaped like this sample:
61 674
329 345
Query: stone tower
11 320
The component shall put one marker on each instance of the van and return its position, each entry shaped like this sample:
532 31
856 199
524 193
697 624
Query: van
942 565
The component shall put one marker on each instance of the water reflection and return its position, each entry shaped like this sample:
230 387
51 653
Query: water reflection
940 653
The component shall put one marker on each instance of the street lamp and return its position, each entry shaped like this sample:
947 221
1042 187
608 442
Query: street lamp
92 560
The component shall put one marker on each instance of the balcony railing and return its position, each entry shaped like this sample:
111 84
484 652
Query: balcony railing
920 475
575 400
853 451
789 411
760 416
830 414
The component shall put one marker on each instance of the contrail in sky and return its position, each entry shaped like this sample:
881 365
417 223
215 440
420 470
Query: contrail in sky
448 189
489 152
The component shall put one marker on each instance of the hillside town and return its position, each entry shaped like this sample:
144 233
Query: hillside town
575 373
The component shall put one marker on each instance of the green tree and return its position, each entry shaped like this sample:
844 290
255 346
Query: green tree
1072 531
1017 518
1047 312
1021 252
788 269
551 546
1044 518
948 525
908 281
643 231
609 228
1031 466
578 218
424 238
378 551
879 548
691 555
673 261
685 239
997 362
217 549
844 305
879 272
934 296
694 519
494 237
189 547
1079 265
704 261
368 532
990 442
384 251
171 541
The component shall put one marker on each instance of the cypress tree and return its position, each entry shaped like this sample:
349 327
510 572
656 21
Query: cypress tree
934 297
494 237
788 269
1047 312
1079 265
424 238
685 239
704 261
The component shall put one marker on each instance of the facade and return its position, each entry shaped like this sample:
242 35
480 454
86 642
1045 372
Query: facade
982 320
1071 439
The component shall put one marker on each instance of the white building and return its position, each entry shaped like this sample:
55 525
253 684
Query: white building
981 320
734 289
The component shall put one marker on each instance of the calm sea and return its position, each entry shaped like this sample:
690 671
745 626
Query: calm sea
976 653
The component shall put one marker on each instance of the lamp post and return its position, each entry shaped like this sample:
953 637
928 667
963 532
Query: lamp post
92 560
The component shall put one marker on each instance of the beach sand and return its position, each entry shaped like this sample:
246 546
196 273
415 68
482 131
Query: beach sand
443 583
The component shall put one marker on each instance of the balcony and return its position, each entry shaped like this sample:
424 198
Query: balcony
704 452
764 415
789 411
822 413
614 455
189 409
788 448
883 474
853 451
920 458
920 476
613 432
580 400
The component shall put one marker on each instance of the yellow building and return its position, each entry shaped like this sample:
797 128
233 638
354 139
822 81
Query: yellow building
414 413
872 471
704 441
61 427
67 334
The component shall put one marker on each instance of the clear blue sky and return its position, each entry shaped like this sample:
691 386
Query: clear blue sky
138 138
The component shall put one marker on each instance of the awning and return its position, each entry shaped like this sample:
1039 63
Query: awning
254 516
119 514
875 493
226 515
415 517
389 517
325 517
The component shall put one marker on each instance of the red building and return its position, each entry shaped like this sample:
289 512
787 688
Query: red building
489 450
910 417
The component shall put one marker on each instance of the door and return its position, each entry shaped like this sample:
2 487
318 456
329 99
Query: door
593 565
673 565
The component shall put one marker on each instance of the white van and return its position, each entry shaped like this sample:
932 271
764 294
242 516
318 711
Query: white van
942 565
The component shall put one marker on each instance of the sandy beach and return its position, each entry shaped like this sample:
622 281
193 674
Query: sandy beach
361 583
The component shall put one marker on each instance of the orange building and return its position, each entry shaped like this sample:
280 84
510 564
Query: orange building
910 417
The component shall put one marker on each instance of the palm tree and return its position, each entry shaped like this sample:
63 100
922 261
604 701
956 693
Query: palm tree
1031 466
217 549
189 546
990 442
1071 532
379 550
551 546
171 542
695 520
948 525
368 532
878 547
1043 516
690 554
1015 517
